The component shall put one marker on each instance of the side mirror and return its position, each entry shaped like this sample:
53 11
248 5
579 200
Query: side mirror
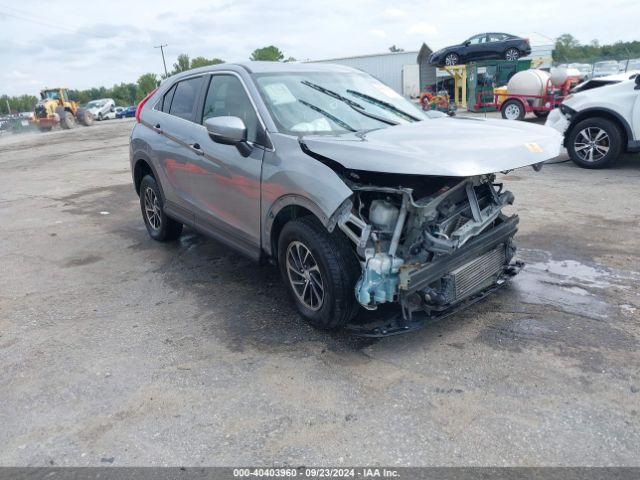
229 131
637 87
467 43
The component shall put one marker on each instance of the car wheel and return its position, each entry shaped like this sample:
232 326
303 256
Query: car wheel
159 226
451 59
594 143
320 270
512 54
513 110
100 117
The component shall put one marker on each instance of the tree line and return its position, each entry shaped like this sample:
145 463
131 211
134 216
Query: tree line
132 93
568 49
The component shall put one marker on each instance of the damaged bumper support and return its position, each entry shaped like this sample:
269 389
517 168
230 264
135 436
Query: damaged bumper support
431 255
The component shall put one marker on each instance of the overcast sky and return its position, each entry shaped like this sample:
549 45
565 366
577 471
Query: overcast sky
80 44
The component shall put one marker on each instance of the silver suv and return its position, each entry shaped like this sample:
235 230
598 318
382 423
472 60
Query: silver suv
358 196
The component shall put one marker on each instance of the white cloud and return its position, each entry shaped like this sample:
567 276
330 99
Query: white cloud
394 13
378 33
422 28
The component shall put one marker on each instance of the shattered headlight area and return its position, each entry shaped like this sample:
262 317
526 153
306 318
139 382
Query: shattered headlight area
432 244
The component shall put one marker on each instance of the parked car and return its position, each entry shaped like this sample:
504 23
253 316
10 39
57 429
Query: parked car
113 114
130 111
485 46
605 68
600 123
607 80
357 196
100 108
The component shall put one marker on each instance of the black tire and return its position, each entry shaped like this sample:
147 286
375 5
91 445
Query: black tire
451 59
512 54
604 151
159 226
337 267
84 117
45 129
66 118
541 114
513 110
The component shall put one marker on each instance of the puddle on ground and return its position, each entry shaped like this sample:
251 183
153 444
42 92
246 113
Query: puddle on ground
569 285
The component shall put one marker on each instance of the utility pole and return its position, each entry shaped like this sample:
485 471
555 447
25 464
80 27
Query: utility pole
161 47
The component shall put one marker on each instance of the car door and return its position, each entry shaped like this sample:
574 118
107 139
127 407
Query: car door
635 114
175 123
496 45
225 185
476 48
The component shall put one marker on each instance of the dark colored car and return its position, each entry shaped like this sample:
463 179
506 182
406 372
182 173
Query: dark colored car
127 112
485 46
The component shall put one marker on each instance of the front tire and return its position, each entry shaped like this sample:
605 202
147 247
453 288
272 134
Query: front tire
594 143
66 118
513 110
320 270
512 54
451 59
159 226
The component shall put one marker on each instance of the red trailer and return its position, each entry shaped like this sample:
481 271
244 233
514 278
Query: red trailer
515 106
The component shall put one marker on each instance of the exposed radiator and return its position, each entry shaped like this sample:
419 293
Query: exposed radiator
476 274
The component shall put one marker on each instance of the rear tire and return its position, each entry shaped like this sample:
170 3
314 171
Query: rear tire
513 110
320 270
594 143
512 54
160 227
84 117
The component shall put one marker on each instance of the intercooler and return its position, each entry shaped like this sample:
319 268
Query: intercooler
477 274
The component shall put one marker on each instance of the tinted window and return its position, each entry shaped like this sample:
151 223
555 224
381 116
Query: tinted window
166 100
496 37
184 98
227 97
478 39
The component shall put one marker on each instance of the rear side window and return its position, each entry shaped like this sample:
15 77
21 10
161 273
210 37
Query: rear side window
227 97
497 37
184 98
165 104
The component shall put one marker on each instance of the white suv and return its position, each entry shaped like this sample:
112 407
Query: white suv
601 123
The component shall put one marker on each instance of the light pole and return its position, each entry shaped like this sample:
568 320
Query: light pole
161 47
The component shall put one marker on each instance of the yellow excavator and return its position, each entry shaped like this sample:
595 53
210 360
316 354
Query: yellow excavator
54 107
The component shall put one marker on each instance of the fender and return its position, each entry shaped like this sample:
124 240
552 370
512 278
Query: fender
285 201
141 155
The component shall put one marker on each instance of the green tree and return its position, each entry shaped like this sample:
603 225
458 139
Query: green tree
267 54
203 62
182 65
146 83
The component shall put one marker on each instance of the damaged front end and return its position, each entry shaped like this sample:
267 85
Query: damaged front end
432 244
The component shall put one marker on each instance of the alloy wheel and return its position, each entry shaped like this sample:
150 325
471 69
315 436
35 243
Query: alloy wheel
451 60
512 54
304 275
592 144
152 208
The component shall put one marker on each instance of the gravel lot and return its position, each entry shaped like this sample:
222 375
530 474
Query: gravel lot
117 350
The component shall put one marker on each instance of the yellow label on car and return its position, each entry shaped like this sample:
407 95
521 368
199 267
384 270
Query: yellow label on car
533 147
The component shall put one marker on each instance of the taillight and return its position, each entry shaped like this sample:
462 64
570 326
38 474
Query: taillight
141 104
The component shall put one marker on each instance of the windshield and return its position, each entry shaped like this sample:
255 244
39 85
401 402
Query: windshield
330 102
52 94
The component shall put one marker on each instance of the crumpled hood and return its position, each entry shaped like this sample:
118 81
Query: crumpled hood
457 147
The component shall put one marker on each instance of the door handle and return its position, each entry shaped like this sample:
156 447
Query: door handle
157 128
196 148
